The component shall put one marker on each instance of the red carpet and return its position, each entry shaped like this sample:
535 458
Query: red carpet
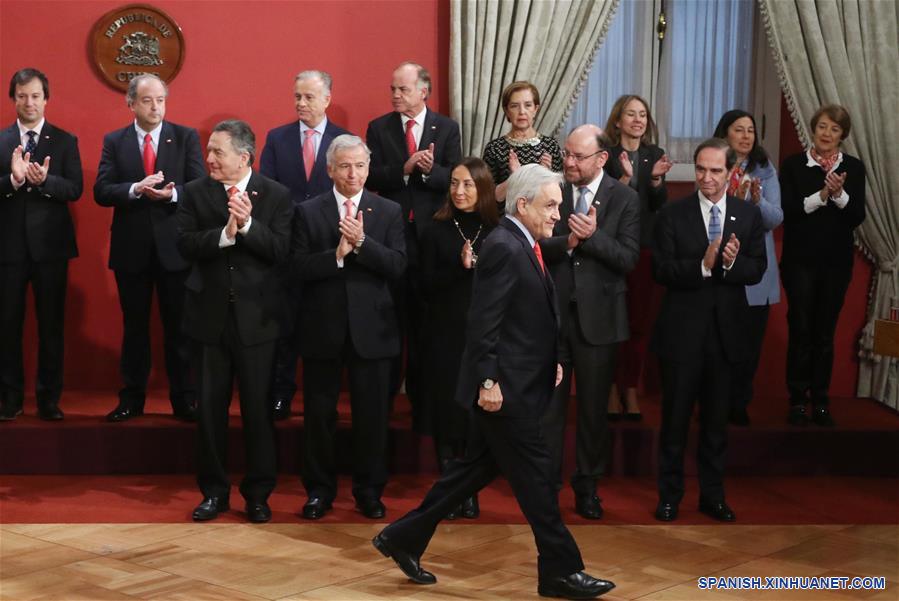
170 499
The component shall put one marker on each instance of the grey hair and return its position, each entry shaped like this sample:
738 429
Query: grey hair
242 137
313 74
131 94
345 142
527 182
424 78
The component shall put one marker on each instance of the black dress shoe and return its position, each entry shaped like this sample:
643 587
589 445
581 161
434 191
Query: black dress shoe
739 417
9 412
613 417
454 513
187 413
210 508
373 509
719 511
821 416
588 507
123 414
633 416
470 508
408 564
315 508
666 512
50 412
797 416
259 513
280 409
579 585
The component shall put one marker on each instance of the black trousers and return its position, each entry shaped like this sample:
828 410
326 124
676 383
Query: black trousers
287 352
706 378
814 297
513 447
218 365
369 383
594 367
135 299
48 283
744 371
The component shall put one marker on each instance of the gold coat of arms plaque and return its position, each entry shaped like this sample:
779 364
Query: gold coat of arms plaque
136 39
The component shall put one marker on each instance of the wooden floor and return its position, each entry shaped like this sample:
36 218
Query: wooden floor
336 561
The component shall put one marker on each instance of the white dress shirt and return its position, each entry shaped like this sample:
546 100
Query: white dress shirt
705 207
317 138
341 210
224 240
813 202
154 137
417 130
23 136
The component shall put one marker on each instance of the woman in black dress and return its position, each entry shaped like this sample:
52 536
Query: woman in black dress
636 161
522 144
448 257
823 199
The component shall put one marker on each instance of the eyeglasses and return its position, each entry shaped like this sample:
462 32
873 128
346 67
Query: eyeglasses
579 157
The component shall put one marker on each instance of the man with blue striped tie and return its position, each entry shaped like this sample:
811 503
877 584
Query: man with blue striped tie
705 249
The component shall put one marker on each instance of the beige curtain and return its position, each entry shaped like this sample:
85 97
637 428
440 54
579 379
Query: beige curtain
847 52
495 42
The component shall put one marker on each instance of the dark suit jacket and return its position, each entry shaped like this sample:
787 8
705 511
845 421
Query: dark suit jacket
140 226
387 141
36 219
595 273
357 297
513 326
693 304
652 198
282 160
248 268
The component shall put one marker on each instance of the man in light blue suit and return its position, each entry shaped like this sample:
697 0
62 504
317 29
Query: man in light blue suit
294 155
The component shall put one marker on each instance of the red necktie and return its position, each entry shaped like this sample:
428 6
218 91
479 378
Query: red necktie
149 155
411 146
232 191
309 152
539 254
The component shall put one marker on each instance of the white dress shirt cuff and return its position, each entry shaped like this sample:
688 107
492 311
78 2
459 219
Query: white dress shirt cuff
131 193
16 185
246 226
174 197
225 241
842 200
706 273
812 203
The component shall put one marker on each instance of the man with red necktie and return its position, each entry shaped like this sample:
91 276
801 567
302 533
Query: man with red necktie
142 171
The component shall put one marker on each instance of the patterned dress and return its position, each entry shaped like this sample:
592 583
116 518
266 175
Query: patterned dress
496 154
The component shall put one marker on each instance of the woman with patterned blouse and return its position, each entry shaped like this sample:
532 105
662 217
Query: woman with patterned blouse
521 145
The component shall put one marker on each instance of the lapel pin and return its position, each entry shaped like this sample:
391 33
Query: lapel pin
255 193
368 209
46 137
168 141
433 127
732 218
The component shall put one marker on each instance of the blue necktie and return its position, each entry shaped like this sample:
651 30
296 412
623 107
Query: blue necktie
582 201
31 145
714 224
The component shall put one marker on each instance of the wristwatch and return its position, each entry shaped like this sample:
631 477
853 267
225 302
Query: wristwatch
488 384
359 244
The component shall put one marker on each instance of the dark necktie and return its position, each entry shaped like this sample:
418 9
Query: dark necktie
32 144
714 224
582 200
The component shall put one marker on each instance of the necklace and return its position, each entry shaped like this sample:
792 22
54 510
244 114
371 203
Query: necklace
474 257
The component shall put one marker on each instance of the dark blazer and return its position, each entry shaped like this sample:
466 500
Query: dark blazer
357 297
595 272
652 198
423 195
247 270
141 226
692 304
513 326
36 219
282 160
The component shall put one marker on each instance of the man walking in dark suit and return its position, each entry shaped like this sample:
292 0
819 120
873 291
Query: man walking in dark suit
594 246
508 374
294 155
705 249
142 173
413 152
40 173
234 229
348 246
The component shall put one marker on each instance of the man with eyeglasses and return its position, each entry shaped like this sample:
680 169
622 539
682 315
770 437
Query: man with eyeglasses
594 246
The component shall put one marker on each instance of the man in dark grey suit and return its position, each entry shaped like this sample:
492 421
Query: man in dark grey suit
508 373
142 173
594 246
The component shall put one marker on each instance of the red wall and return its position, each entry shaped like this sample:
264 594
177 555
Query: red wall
240 61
